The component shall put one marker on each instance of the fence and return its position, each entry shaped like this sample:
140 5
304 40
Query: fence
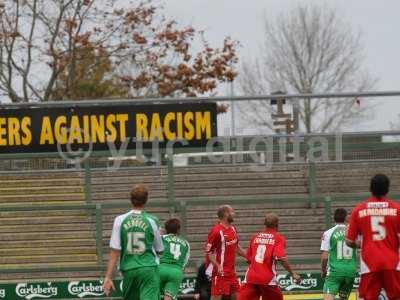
181 207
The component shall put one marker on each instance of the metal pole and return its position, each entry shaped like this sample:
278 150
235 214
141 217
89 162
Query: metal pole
99 233
183 215
233 133
328 208
311 184
155 101
88 182
170 182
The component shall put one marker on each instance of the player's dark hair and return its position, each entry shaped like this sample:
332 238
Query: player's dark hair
172 226
379 185
340 215
222 210
139 195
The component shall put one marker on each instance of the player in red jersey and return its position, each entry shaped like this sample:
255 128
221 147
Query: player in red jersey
221 248
265 248
377 222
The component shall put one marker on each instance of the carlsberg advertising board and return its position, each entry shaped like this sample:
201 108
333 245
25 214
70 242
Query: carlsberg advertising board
93 289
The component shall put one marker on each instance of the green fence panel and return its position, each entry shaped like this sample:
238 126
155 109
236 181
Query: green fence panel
92 289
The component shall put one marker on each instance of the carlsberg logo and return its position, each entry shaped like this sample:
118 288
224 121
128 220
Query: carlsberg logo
76 288
288 284
187 286
30 291
2 293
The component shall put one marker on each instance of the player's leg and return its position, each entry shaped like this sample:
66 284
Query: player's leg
271 292
391 281
149 288
163 274
215 288
248 292
130 285
331 286
346 287
220 287
370 285
172 286
234 287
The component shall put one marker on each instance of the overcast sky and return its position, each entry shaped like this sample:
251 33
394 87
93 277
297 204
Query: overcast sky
378 21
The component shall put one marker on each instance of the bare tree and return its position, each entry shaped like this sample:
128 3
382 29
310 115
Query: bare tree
308 50
47 47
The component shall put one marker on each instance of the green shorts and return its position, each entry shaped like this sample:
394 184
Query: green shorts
141 284
170 279
336 284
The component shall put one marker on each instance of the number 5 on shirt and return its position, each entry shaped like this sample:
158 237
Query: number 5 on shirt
378 228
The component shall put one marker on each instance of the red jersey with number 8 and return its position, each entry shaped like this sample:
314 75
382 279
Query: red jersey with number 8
377 223
264 249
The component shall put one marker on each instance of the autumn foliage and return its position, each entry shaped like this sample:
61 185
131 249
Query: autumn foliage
86 49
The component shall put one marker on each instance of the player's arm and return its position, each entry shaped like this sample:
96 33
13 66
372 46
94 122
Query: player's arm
324 263
242 252
325 247
108 284
187 255
285 263
211 257
213 241
280 255
352 231
351 244
158 244
115 250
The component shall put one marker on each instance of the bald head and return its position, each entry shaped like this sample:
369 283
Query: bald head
271 221
226 213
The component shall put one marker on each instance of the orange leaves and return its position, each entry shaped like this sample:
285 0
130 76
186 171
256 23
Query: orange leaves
139 39
143 52
139 15
70 24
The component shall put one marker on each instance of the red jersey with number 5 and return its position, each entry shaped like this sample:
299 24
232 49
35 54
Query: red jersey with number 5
264 249
377 223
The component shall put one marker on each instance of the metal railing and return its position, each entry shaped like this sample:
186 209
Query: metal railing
87 166
181 207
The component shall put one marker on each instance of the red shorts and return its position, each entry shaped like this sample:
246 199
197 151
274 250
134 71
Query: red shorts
372 283
224 285
250 291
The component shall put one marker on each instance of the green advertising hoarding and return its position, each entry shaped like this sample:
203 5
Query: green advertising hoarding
92 289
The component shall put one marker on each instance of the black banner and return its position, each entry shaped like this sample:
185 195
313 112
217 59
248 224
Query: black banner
37 129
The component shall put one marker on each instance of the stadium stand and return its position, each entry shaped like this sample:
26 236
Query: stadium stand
65 237
43 187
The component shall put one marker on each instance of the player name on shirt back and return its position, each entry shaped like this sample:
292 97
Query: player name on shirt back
135 222
174 239
265 238
265 241
377 212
